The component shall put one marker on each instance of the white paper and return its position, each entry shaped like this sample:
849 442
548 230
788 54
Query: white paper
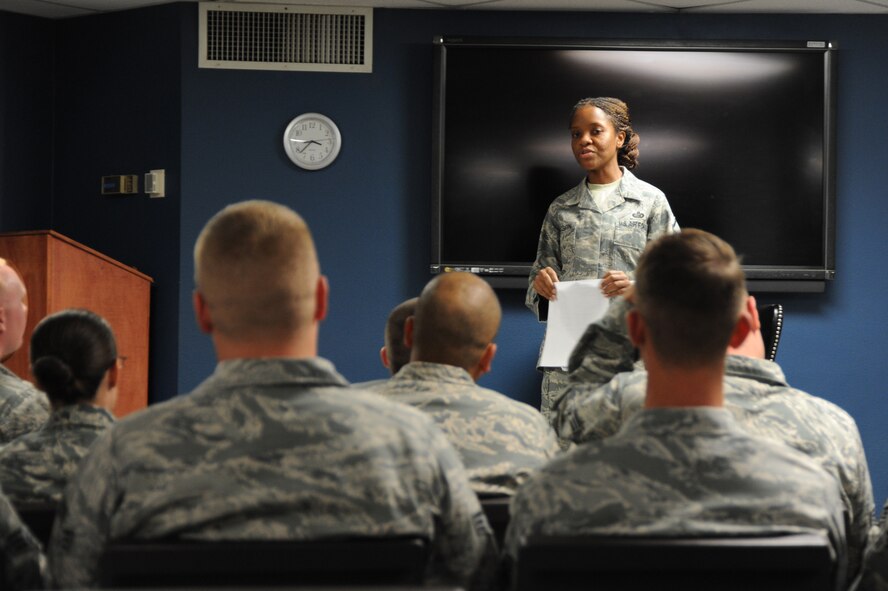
577 305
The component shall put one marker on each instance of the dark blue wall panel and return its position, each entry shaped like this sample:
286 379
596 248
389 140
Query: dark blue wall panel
26 133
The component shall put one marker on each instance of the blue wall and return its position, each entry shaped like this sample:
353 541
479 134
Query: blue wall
370 210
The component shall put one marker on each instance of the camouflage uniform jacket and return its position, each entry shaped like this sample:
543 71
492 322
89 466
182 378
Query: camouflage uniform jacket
23 563
501 440
875 564
272 449
23 408
581 241
35 467
679 472
598 403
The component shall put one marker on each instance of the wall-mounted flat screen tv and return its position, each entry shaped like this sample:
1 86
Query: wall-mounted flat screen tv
739 135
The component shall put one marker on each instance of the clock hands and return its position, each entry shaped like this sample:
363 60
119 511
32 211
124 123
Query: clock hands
308 143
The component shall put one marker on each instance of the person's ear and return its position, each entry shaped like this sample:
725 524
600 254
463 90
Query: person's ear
408 332
636 327
322 295
744 326
2 319
113 374
752 309
621 139
383 356
484 364
202 313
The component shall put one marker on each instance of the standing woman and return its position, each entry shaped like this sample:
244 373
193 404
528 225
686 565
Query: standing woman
599 228
74 360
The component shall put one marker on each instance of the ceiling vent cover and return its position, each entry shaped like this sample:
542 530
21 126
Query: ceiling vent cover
284 37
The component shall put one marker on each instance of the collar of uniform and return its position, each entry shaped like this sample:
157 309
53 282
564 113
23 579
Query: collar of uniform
625 191
760 370
314 371
439 372
5 371
79 415
668 422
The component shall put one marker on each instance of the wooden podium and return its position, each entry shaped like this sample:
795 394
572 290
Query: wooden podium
60 273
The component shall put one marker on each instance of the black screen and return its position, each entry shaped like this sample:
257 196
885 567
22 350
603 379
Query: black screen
737 138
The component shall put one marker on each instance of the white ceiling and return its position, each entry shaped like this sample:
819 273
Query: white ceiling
69 8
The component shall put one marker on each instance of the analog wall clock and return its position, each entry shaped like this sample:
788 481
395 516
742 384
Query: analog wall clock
312 141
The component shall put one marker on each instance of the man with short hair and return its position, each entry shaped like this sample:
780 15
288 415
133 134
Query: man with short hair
605 392
274 444
451 335
23 408
394 353
682 465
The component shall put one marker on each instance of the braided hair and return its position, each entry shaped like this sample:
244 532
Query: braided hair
618 113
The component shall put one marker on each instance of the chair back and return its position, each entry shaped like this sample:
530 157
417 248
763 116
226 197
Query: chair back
771 317
797 562
251 563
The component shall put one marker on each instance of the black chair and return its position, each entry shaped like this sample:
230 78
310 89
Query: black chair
797 562
771 317
39 518
496 509
318 563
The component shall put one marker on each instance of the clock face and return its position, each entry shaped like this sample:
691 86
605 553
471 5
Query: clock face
312 141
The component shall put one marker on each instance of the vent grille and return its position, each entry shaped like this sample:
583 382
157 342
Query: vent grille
274 37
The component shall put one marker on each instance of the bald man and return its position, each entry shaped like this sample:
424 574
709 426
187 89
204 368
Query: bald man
22 407
274 444
451 335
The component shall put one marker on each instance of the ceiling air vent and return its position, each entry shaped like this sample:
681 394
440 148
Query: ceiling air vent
285 37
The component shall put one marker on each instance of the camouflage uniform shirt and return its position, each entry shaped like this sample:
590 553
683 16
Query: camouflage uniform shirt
598 403
272 449
23 408
35 467
582 241
679 472
501 440
875 565
23 563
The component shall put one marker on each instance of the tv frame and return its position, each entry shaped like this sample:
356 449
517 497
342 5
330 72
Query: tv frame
760 278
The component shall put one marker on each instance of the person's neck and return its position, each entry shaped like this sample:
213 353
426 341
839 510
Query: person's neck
669 386
604 175
296 347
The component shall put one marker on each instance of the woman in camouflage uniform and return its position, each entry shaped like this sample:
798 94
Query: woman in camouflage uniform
74 360
599 228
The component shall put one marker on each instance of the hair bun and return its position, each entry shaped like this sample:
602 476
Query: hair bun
54 376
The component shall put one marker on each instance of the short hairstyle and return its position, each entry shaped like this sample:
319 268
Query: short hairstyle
690 290
618 113
398 353
70 352
457 316
256 268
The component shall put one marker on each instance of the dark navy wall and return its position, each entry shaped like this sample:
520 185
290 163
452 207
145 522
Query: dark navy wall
26 133
117 111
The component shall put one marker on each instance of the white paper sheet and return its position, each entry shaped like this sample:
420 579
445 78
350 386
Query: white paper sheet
577 305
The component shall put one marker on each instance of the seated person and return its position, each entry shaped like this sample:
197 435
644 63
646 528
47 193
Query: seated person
22 407
394 353
74 360
22 561
682 466
451 335
600 400
274 444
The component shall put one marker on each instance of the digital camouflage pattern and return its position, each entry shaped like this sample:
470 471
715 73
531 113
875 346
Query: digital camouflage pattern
23 562
23 408
501 441
582 241
875 564
273 449
679 472
600 400
35 467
